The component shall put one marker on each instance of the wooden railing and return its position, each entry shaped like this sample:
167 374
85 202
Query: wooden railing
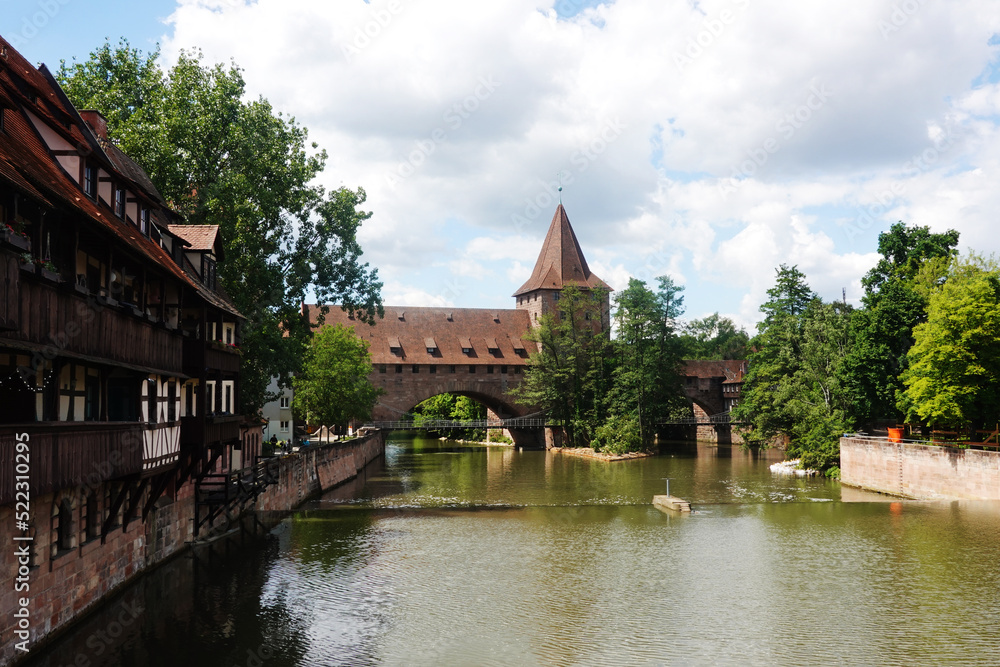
68 454
65 321
200 355
197 431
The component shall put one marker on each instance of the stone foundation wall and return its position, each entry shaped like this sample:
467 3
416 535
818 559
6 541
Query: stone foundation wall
920 471
62 587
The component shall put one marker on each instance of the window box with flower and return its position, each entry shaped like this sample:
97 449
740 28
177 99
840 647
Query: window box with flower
13 235
49 271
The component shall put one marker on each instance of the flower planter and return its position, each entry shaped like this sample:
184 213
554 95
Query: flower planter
51 276
16 240
28 267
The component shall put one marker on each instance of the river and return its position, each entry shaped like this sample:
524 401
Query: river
444 554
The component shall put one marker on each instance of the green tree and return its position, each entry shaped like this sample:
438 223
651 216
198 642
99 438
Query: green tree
793 385
333 386
953 378
568 377
220 158
451 407
647 387
895 301
713 337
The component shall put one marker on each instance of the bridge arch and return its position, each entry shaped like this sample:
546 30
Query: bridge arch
395 404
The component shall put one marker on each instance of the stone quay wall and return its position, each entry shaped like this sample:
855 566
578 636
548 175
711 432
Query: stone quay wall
913 470
62 587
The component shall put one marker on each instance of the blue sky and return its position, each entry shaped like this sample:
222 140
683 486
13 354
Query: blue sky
710 141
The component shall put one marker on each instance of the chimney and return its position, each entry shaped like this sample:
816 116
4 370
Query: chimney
97 122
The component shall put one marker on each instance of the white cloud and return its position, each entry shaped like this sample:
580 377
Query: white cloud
465 117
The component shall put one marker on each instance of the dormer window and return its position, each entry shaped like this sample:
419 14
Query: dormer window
466 345
90 181
394 345
119 205
431 346
144 221
207 271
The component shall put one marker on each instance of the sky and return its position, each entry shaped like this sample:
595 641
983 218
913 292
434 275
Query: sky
710 141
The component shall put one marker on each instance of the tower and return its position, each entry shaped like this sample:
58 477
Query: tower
560 264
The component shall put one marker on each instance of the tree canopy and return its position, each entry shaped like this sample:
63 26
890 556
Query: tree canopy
713 337
333 386
792 387
953 378
220 158
895 301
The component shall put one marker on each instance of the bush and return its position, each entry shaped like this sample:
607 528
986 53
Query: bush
618 435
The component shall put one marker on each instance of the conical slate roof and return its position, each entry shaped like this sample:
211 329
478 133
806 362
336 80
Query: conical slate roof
561 262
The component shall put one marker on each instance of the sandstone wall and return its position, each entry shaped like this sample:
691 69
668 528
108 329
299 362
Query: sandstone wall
920 471
64 586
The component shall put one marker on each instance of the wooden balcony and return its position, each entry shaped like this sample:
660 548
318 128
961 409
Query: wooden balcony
210 431
202 355
69 454
48 316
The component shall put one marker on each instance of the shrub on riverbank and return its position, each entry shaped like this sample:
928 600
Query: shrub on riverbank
618 435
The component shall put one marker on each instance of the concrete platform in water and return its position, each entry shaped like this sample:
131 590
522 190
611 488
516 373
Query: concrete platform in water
672 503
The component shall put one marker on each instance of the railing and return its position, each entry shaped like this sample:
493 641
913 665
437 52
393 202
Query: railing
227 493
720 418
200 354
68 454
936 439
443 424
51 317
209 430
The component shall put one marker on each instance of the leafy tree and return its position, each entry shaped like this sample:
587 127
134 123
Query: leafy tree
451 407
647 387
714 337
333 386
895 301
219 158
953 378
765 403
793 385
568 377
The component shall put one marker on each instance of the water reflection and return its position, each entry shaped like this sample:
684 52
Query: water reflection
452 555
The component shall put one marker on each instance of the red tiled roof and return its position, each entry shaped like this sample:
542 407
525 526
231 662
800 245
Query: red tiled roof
732 370
199 237
26 162
468 327
561 261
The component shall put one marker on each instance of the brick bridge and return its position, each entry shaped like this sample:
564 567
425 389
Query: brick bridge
421 352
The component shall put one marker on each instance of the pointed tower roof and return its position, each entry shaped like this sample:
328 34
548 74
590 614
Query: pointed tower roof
561 262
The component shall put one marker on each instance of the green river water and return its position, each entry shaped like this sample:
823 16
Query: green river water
444 554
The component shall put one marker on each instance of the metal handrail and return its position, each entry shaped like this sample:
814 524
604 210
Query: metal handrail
434 424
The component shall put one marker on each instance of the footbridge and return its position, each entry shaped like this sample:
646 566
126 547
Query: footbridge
446 424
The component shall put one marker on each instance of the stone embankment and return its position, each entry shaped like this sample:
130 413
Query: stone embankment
920 471
63 586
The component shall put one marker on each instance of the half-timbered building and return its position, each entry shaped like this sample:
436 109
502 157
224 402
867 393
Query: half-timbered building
119 352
